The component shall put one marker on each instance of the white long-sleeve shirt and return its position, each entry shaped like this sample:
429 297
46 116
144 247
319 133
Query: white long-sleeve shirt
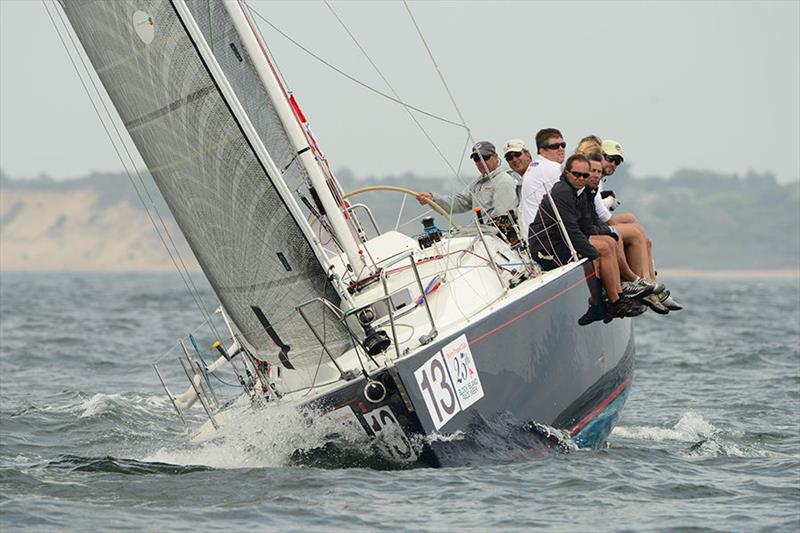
540 177
600 207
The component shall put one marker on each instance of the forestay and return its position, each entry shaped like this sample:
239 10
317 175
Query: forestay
247 239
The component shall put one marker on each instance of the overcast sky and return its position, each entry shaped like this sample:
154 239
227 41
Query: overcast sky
705 85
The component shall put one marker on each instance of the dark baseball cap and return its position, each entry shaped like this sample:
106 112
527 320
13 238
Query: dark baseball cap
485 149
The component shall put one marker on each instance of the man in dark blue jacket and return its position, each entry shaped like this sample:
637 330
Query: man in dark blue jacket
551 248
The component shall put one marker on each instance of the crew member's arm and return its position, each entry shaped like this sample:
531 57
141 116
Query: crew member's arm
569 216
460 202
600 208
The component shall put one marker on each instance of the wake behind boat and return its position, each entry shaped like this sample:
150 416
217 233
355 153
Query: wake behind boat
399 337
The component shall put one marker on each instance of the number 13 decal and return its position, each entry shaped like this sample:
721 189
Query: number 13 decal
437 390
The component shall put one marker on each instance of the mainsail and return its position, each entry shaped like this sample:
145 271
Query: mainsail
248 235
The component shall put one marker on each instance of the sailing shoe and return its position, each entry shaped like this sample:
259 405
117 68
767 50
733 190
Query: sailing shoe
612 310
654 303
595 313
670 303
634 308
619 309
638 289
658 287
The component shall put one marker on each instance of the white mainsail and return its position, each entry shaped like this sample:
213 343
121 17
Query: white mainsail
215 145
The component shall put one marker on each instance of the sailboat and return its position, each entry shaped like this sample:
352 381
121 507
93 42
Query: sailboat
419 337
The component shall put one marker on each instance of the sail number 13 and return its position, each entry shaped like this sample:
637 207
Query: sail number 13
449 381
438 390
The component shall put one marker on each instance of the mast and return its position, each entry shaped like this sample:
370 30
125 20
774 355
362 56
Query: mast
297 135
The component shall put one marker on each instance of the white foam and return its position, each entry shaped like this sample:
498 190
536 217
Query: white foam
96 404
101 403
691 427
708 440
259 438
714 448
452 437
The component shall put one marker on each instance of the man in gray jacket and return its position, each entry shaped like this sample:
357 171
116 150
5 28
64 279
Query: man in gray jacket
494 192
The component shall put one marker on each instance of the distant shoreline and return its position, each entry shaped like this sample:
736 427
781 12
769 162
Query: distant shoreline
776 273
679 273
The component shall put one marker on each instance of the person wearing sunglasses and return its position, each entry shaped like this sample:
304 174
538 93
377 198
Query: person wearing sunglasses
518 157
626 224
494 191
549 248
613 156
612 160
543 172
631 246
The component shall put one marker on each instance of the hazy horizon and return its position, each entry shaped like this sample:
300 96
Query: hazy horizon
701 85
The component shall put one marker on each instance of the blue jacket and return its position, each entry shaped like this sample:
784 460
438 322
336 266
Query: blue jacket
544 234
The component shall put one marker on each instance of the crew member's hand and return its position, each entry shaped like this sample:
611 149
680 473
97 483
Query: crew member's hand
424 197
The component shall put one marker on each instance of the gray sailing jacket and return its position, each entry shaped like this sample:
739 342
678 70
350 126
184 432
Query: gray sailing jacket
495 193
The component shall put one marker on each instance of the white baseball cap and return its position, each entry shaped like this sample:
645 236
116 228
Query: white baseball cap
612 148
514 145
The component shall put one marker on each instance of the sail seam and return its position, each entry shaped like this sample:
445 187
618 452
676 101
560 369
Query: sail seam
177 104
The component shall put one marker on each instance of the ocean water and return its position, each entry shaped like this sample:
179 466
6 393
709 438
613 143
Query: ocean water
709 439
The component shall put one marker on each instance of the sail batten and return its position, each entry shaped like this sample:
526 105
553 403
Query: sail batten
214 151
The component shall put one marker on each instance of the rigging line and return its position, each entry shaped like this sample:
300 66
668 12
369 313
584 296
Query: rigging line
400 213
414 219
272 58
183 273
195 294
413 118
391 88
441 76
120 137
444 82
324 338
353 79
438 70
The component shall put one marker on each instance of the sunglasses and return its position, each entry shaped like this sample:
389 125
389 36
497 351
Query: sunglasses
617 160
510 156
555 146
583 175
477 157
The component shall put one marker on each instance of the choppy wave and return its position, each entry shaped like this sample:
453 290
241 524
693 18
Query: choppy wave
266 437
706 439
115 465
102 404
87 444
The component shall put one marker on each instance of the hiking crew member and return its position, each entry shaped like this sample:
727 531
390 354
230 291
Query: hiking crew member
548 246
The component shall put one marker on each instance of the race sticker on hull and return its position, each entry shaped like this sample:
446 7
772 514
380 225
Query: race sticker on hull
344 418
385 426
449 381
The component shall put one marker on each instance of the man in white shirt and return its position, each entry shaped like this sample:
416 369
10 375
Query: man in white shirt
543 172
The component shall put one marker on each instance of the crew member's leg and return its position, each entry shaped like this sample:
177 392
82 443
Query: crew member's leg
635 248
623 218
607 265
